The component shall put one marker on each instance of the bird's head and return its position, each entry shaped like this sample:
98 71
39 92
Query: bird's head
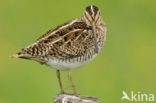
91 15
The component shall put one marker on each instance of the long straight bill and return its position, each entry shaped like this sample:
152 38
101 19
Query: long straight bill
95 38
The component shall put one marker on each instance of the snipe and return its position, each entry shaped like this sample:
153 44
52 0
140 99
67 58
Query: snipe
69 46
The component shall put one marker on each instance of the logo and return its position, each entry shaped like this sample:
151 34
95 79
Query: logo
138 96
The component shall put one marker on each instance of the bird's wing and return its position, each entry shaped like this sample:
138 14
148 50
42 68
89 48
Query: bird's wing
68 40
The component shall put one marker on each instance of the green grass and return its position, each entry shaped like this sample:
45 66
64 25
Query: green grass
127 62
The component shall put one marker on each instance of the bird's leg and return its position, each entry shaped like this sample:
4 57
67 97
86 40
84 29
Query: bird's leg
59 80
70 79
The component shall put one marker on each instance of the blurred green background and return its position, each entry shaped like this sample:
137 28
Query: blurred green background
127 61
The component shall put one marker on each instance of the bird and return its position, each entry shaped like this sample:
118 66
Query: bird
70 45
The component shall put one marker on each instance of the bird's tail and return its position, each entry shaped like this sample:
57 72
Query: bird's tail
17 55
21 54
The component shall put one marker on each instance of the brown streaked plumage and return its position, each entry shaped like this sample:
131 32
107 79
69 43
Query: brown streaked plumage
71 45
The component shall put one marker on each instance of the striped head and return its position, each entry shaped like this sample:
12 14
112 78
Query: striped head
92 14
